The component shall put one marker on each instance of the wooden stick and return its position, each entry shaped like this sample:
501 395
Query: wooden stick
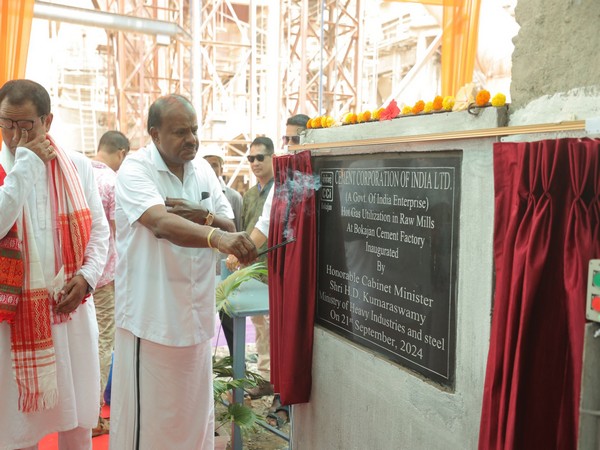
281 244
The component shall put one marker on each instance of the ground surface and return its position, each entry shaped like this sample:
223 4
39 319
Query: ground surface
258 439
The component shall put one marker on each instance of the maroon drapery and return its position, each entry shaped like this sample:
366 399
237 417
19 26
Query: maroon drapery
547 218
292 277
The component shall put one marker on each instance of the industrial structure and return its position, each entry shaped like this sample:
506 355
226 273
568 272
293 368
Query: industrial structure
247 65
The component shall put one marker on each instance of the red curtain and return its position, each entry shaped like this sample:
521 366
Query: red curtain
547 218
292 277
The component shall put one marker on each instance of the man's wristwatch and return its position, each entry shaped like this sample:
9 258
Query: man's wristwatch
209 218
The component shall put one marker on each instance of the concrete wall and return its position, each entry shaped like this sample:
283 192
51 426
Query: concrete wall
556 49
362 401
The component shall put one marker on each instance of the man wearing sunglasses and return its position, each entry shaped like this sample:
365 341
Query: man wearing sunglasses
278 414
260 158
293 127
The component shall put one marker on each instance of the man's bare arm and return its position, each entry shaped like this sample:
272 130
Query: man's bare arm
185 233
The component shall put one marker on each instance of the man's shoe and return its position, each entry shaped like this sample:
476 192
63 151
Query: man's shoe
103 427
261 390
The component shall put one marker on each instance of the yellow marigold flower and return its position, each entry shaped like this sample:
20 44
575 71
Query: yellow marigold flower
499 99
364 116
360 117
330 121
376 114
349 118
428 107
406 109
419 106
438 103
448 102
482 98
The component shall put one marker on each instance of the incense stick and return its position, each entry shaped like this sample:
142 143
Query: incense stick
277 246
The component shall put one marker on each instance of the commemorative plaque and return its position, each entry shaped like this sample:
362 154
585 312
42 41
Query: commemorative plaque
387 255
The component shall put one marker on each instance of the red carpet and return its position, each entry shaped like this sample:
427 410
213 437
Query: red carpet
50 442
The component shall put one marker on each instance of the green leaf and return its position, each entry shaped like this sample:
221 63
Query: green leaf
243 416
232 283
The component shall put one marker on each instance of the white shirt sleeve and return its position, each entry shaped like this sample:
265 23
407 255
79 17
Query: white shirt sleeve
265 218
18 184
136 190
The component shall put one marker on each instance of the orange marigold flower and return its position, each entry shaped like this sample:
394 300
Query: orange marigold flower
377 113
428 107
316 122
419 106
448 102
438 103
364 116
482 98
349 118
309 124
499 99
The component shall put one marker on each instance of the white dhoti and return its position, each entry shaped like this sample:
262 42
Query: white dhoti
78 377
162 396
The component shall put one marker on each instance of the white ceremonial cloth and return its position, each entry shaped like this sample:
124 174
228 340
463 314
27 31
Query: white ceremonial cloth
176 395
163 292
76 341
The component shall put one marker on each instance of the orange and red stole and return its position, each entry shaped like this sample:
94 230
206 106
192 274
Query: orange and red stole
25 302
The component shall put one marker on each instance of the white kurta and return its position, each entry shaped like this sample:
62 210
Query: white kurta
76 341
164 311
163 293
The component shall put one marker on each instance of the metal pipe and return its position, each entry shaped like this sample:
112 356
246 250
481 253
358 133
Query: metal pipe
110 21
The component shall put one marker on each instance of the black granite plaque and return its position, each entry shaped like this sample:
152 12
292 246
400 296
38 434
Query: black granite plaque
387 255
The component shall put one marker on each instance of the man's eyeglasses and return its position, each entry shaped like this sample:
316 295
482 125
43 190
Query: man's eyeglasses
295 140
259 157
9 124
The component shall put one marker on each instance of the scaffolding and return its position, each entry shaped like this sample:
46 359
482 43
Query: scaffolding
323 54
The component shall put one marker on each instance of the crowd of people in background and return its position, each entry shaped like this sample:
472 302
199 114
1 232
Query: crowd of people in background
70 308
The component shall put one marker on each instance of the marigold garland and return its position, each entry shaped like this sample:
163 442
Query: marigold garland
392 111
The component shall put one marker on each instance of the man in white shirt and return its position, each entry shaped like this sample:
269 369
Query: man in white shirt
165 286
53 245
